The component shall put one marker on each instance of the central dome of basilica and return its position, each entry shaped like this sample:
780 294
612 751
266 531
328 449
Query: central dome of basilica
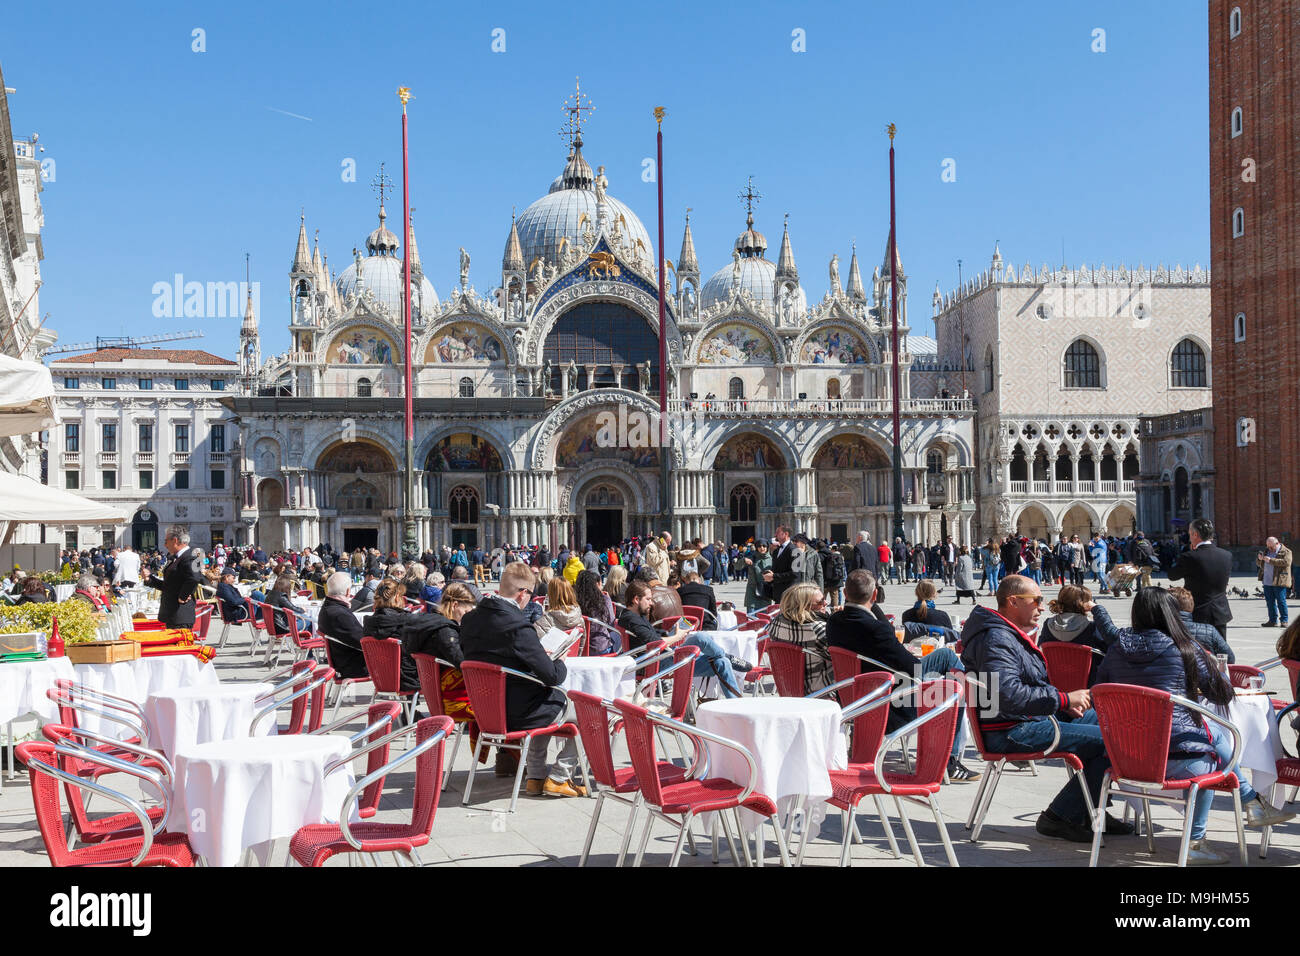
569 209
381 275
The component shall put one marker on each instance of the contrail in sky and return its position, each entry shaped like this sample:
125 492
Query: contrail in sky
287 113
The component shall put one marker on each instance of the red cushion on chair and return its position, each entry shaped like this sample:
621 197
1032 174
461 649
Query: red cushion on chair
714 793
169 849
312 845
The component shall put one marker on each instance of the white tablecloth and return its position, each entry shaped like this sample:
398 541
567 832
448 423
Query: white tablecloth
181 718
23 685
726 620
312 612
137 679
1261 743
63 591
794 743
235 794
741 644
604 677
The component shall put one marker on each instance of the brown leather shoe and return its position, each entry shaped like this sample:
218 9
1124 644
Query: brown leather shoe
552 789
533 788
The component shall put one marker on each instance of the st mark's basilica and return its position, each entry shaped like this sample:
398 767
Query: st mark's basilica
786 405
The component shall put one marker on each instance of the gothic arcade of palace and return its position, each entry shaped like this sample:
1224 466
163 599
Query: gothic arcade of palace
787 406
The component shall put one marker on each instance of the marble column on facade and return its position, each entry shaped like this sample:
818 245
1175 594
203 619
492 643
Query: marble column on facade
1074 473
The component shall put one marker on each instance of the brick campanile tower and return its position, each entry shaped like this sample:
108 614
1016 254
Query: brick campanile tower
1255 263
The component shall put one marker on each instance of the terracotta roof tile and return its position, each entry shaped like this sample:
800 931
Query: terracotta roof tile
180 356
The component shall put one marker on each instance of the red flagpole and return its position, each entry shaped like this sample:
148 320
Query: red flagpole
895 379
408 530
664 451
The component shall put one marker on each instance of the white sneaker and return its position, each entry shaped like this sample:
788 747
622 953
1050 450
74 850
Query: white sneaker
1260 813
1200 854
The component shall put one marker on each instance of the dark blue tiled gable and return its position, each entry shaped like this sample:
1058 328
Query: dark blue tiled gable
579 274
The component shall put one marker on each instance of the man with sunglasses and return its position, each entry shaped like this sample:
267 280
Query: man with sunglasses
1024 709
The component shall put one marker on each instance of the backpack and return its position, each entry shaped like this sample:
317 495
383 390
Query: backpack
834 567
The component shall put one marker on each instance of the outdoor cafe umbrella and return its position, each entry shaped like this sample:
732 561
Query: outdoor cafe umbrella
26 396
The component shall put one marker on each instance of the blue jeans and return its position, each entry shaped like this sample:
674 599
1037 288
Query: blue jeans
1081 737
1100 570
938 662
1275 599
1191 767
712 662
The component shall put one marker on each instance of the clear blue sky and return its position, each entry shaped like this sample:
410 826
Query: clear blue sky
171 161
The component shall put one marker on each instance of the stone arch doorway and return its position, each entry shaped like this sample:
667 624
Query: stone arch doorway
144 530
603 510
1034 523
742 512
1078 520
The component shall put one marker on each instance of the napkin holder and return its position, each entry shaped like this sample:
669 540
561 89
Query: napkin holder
28 642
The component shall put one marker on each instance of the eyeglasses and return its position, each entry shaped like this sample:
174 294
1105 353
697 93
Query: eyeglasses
1036 598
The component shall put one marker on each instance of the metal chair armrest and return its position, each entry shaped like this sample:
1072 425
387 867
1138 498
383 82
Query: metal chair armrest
360 786
832 689
123 745
146 825
886 667
649 681
1269 664
860 706
349 718
697 733
1238 743
514 673
76 751
908 730
274 705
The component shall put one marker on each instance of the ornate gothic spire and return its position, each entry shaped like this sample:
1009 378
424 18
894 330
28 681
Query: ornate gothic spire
513 260
687 261
302 256
785 267
855 291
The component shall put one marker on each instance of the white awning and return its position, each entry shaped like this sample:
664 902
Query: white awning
25 499
26 397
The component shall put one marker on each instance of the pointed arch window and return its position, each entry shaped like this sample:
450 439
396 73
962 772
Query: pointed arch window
988 369
364 388
1082 365
1187 365
462 505
466 387
744 504
736 388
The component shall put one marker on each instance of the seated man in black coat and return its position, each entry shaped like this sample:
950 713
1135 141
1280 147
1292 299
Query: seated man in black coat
339 626
233 608
857 628
497 632
696 593
364 599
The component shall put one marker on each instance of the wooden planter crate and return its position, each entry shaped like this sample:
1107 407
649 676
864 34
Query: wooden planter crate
103 652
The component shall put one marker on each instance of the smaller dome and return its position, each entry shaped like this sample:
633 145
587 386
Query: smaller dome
757 277
382 241
751 242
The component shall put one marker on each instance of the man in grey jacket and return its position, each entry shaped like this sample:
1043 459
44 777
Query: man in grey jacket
807 562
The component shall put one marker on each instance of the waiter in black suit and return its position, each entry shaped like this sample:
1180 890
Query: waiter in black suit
1206 568
181 577
781 575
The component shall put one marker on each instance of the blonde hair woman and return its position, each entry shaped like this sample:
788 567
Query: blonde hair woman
923 611
544 577
562 609
802 621
616 583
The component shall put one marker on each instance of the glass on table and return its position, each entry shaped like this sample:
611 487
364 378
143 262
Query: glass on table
1222 661
1255 682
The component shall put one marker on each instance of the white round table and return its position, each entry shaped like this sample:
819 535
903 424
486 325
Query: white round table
233 795
741 644
136 680
181 718
23 685
795 743
1261 742
63 591
603 677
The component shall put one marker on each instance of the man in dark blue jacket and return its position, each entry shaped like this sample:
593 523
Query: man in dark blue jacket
497 632
233 608
997 650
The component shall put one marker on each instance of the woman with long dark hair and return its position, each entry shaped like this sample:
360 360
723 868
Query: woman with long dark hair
596 605
1158 652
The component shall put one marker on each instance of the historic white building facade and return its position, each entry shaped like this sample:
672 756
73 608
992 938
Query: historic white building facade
144 430
22 334
536 403
1061 363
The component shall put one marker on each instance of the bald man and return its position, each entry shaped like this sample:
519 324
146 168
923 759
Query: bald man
1025 710
1274 564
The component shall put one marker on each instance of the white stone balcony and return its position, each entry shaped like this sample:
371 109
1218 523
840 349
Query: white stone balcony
108 459
144 459
72 459
746 407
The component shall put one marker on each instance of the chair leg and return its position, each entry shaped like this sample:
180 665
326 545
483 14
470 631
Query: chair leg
1099 820
1241 830
911 837
645 837
979 794
627 833
713 837
473 766
1151 831
591 831
1268 831
850 820
684 829
1185 845
742 839
988 801
519 771
888 827
455 746
782 847
943 830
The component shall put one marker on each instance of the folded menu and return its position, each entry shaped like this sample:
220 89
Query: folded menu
556 642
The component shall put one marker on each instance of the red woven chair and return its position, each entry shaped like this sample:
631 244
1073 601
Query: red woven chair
1068 665
304 643
670 801
579 647
384 665
227 624
1240 674
487 694
592 715
430 671
149 848
696 616
312 845
938 713
1135 724
202 622
304 691
995 762
341 683
379 719
256 623
788 666
755 676
108 752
